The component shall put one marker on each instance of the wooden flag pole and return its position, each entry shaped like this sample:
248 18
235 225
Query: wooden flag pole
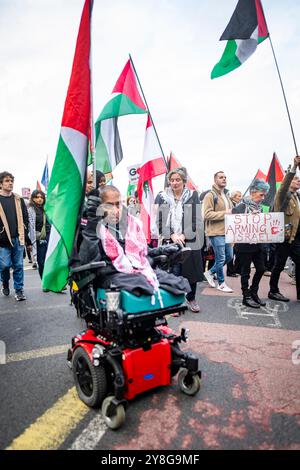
137 77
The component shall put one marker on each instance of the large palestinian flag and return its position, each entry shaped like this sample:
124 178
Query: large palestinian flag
153 165
246 29
274 178
125 99
66 184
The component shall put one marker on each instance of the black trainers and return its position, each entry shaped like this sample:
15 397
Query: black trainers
5 290
19 295
278 296
249 302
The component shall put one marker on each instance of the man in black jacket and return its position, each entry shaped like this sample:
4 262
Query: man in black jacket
13 235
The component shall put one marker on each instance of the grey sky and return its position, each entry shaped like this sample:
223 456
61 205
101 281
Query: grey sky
232 123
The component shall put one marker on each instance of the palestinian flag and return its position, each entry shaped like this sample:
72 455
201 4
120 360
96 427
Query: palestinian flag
246 29
66 186
175 163
260 175
153 165
125 99
274 178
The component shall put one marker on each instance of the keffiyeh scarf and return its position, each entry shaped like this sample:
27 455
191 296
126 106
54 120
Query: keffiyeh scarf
134 258
174 220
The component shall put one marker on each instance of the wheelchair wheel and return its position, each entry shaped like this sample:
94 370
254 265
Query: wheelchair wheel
188 384
90 381
114 419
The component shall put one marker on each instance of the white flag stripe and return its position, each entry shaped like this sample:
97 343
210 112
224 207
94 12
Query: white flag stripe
53 241
152 149
246 47
108 135
77 145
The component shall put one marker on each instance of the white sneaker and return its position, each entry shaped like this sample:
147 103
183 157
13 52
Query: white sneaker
224 288
210 278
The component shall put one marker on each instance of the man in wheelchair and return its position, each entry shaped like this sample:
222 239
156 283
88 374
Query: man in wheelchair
124 298
114 236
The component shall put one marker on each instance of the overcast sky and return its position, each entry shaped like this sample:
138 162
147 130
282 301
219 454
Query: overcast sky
233 123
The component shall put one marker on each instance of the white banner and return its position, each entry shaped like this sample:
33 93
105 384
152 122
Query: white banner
133 175
265 227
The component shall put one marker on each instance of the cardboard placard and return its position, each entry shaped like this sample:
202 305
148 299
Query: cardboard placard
255 228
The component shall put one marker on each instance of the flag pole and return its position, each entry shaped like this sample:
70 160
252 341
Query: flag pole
284 96
250 185
137 77
92 126
282 87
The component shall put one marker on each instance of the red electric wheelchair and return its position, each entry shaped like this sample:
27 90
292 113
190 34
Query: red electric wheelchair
127 347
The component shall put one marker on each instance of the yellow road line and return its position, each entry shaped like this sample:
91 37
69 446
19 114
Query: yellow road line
52 428
36 353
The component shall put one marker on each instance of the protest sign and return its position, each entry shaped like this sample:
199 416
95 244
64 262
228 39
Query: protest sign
26 193
254 228
133 173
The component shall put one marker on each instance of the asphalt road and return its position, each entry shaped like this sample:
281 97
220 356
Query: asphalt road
249 399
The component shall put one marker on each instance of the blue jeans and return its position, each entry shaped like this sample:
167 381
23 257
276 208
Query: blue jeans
12 256
223 255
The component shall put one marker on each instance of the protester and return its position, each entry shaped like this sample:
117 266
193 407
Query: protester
39 227
31 254
179 221
287 200
13 235
89 185
236 197
252 253
100 179
216 205
116 237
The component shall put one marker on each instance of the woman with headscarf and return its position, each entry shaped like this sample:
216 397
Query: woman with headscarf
179 221
39 227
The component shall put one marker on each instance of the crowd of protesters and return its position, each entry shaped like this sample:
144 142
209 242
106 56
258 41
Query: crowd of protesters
183 217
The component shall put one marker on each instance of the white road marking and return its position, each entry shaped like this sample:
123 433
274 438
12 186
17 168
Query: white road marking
91 435
37 353
271 311
14 308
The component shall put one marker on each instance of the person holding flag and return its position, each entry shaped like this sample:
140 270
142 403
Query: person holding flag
287 200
